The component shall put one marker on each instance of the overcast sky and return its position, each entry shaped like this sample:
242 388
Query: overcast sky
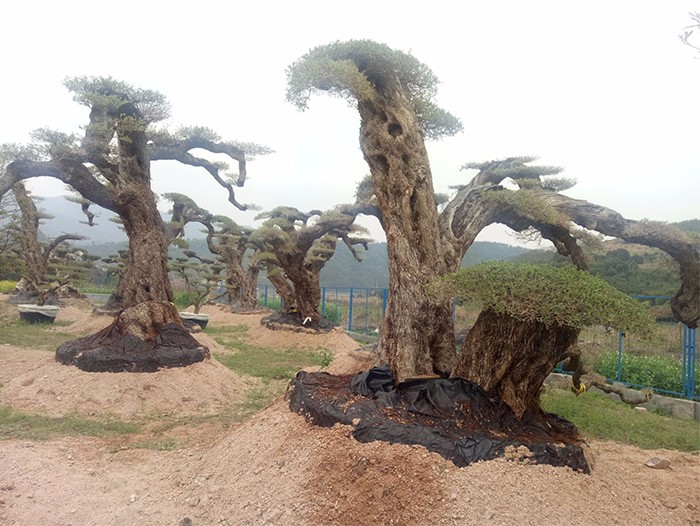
602 88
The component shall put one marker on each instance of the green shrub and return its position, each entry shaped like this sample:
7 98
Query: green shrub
334 313
7 287
660 372
563 296
183 299
272 303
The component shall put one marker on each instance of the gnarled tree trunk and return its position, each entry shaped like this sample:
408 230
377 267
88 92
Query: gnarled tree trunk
148 332
284 289
249 291
510 358
417 333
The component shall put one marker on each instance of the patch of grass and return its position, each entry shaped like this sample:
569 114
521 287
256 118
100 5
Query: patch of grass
38 336
20 425
7 287
264 362
597 416
661 372
325 358
270 364
157 444
183 299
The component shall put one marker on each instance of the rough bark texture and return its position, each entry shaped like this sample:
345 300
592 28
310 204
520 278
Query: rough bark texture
301 250
284 289
686 302
249 290
148 333
416 336
30 249
510 358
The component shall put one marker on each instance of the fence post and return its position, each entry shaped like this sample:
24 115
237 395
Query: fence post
323 302
689 355
619 356
265 297
366 309
350 312
385 297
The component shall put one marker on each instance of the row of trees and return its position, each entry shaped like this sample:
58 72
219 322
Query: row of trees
426 238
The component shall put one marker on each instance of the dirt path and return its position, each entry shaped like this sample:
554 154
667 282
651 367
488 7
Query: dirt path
276 469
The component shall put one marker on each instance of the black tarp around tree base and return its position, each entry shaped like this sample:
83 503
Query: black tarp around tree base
292 320
452 417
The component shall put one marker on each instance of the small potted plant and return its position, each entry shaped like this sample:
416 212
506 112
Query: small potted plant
201 280
39 312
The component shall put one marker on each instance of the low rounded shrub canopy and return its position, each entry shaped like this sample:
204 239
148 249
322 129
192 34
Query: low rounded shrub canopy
550 295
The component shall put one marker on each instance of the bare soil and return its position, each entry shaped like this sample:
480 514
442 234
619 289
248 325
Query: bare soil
275 468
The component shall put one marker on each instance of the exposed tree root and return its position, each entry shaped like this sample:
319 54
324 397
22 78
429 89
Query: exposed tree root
583 379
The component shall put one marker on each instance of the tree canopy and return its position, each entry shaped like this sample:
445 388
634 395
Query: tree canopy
355 70
550 295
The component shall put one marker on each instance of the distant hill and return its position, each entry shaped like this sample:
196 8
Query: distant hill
343 270
69 219
632 268
373 272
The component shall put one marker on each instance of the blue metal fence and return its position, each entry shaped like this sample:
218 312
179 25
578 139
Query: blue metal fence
362 310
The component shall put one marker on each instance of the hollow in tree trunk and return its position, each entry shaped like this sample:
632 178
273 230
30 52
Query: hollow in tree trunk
510 358
417 334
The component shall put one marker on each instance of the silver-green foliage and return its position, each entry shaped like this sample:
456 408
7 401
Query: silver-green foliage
356 70
551 295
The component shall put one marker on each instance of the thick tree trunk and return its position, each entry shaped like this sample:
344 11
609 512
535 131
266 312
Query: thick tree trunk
307 291
146 273
32 255
283 288
510 358
416 336
234 285
148 332
249 292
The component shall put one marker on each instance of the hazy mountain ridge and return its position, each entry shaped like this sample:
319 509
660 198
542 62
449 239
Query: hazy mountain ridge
632 268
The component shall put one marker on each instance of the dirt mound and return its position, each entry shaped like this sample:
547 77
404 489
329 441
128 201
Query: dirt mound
257 334
54 389
276 469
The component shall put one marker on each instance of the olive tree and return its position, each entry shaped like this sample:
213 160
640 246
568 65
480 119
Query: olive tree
110 165
394 94
531 318
297 245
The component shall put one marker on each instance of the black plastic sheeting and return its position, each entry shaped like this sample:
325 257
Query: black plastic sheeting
452 417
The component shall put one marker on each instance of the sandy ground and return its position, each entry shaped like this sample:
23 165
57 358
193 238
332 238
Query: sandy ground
276 469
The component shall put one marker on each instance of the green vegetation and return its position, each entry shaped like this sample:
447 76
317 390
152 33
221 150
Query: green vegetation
183 299
661 372
7 287
39 336
599 417
263 362
19 425
332 68
563 296
334 313
647 272
274 366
